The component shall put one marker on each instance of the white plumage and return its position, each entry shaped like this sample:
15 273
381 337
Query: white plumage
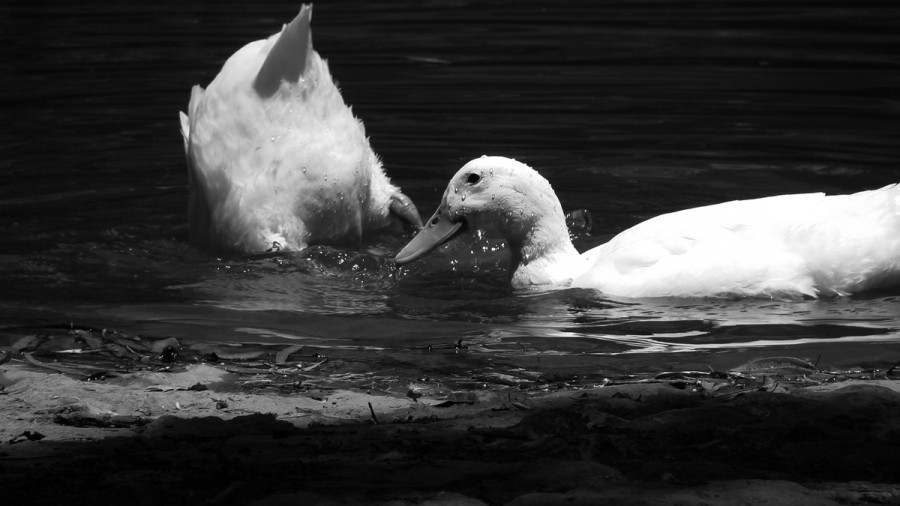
786 246
276 156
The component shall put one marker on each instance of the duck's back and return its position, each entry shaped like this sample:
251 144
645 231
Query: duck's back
785 246
276 157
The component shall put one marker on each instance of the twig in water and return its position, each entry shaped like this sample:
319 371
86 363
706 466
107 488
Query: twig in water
58 368
889 371
374 418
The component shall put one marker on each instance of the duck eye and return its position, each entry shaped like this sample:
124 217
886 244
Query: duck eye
473 178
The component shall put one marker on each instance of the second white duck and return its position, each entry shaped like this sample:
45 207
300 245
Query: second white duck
276 158
788 246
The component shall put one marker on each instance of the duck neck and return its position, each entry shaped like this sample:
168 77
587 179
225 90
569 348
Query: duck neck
544 255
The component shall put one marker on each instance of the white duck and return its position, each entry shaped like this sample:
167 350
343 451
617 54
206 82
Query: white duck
787 246
275 156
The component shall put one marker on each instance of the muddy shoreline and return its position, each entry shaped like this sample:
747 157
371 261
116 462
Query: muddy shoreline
188 437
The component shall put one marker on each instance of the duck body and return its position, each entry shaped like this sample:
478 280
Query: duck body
275 155
789 246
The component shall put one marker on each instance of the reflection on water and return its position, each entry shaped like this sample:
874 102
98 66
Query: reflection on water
630 110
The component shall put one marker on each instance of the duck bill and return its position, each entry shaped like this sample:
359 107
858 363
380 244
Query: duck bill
438 231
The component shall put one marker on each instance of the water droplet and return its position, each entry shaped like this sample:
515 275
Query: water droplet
456 189
492 196
325 177
464 197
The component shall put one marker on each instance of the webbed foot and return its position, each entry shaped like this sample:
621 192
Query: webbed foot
403 208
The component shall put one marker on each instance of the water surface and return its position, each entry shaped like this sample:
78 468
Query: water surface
630 109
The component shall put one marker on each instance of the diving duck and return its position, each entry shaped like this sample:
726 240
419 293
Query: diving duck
784 247
275 157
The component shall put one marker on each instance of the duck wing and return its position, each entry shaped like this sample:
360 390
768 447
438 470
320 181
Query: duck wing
786 246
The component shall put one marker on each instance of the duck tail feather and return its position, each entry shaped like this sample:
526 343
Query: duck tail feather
185 129
196 93
282 62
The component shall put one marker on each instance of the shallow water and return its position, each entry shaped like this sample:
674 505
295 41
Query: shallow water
630 109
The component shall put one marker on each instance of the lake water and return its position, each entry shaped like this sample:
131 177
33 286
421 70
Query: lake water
629 108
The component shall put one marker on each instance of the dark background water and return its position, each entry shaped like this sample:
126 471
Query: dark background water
629 108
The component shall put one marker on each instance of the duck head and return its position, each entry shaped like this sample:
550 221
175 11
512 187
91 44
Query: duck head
503 198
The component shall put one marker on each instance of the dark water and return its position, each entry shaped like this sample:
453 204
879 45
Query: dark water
630 109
